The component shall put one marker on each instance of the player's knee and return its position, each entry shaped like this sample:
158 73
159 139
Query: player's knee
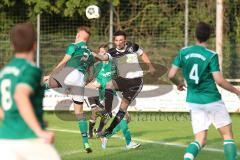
77 102
52 83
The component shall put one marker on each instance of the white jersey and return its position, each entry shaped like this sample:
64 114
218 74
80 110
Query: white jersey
127 61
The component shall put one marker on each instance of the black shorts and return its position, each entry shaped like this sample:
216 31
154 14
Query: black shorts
130 87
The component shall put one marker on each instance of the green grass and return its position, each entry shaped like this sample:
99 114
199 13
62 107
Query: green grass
168 127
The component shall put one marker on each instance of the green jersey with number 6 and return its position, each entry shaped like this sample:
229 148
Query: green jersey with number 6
19 71
81 57
198 63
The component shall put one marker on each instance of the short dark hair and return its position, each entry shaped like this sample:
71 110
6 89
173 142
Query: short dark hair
120 33
23 36
203 31
84 28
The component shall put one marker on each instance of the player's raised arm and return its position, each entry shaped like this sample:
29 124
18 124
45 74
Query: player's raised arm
146 60
22 98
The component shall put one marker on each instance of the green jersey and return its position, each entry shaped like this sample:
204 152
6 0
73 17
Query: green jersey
81 57
104 72
198 63
19 71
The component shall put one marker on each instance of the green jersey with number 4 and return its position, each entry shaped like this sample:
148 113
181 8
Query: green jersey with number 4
198 63
19 71
81 57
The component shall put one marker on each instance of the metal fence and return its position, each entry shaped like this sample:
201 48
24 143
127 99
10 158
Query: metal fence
161 27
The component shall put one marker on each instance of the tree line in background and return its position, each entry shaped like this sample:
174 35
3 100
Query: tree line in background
158 25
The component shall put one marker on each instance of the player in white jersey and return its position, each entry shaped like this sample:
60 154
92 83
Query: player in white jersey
130 75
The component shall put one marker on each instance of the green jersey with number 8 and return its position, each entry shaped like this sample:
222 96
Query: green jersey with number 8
198 63
19 71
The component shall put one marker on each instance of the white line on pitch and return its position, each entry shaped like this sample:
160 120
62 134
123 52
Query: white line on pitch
147 141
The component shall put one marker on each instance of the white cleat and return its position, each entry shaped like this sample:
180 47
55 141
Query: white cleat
133 145
104 142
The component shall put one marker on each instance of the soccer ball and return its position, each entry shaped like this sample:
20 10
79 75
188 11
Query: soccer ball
93 12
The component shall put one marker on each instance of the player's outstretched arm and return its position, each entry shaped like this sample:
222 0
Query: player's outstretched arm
104 57
61 64
146 60
1 113
22 98
91 74
172 76
218 77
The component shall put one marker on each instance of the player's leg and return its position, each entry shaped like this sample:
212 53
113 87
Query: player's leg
109 94
195 147
6 150
75 82
230 148
123 125
130 88
36 149
52 83
56 80
201 121
93 117
222 121
82 124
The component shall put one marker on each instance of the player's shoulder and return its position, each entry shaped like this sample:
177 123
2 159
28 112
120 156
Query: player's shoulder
211 51
112 51
71 48
186 48
132 46
31 69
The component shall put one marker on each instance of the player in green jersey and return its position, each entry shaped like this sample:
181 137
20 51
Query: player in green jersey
22 131
71 73
200 68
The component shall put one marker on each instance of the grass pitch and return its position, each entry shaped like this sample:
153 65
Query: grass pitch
162 135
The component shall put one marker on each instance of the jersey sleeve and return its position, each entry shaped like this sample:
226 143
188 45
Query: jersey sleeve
111 53
177 61
31 77
70 50
137 49
214 64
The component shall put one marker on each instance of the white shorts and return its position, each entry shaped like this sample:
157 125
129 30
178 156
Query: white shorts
203 115
27 149
75 82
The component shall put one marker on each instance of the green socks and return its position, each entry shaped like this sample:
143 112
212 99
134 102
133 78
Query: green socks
192 150
83 126
230 150
123 125
125 131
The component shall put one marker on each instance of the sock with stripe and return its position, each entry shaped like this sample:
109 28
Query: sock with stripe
192 150
116 120
83 126
230 150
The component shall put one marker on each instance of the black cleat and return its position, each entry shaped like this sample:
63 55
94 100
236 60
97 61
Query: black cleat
87 148
106 133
